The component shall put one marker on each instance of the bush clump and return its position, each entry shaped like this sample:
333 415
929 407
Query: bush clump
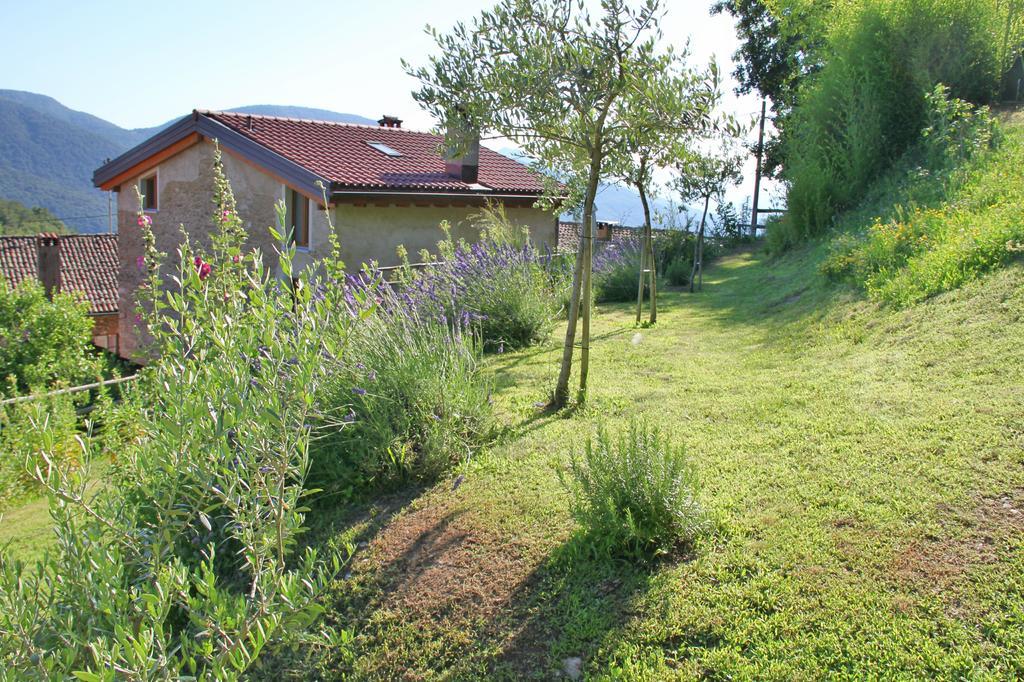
635 496
616 272
43 343
412 401
503 285
951 210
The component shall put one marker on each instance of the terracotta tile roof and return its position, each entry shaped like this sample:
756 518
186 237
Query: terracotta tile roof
88 265
340 152
569 234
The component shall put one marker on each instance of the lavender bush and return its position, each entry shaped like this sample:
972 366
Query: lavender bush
616 272
506 288
407 402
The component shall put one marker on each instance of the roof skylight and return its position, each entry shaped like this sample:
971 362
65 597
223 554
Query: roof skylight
384 149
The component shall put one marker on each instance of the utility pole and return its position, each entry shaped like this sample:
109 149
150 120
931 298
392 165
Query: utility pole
757 176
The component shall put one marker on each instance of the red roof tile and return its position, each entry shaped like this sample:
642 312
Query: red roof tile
340 153
88 265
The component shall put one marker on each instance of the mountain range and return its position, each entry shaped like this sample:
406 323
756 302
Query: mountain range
48 153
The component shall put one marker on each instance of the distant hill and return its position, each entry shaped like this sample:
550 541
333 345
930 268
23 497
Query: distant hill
615 203
304 112
48 152
18 219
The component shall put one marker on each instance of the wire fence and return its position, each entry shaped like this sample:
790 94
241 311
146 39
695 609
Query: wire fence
65 391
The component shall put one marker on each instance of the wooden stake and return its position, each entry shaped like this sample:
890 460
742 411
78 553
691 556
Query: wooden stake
757 173
588 262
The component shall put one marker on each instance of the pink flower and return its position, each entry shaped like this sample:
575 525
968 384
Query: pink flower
225 215
236 258
138 318
145 220
140 262
204 268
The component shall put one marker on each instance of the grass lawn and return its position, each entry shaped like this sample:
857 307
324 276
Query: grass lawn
864 464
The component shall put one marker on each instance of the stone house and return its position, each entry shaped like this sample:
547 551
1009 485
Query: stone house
83 264
386 186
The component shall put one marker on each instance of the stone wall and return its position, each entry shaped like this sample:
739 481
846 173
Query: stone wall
105 331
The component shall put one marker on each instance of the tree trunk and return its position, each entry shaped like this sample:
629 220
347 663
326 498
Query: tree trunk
697 248
700 268
642 189
561 394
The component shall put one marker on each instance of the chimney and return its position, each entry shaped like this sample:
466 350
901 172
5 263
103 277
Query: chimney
389 121
48 246
462 159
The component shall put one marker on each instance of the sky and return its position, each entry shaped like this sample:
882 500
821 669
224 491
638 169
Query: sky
140 64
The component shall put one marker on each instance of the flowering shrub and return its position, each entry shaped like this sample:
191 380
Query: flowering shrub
504 286
616 272
412 403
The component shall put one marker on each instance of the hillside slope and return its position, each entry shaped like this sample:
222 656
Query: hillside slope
865 465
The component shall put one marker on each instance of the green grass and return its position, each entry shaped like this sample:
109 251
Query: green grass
863 465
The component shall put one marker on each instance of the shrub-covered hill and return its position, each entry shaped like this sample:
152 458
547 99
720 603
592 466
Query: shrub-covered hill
937 221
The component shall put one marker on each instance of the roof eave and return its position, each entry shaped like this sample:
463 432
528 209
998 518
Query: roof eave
344 192
288 171
165 138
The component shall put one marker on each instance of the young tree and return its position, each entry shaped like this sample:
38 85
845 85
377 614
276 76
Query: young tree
555 79
687 100
705 175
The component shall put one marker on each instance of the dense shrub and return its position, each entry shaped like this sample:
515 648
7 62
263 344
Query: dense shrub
414 405
43 343
22 443
636 495
948 221
671 246
616 272
867 105
503 284
678 273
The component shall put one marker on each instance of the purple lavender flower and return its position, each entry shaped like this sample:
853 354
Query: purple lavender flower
359 391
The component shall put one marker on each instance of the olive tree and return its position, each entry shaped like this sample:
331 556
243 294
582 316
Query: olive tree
559 81
686 100
704 175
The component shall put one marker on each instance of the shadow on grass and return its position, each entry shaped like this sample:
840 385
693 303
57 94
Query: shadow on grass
569 607
437 593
